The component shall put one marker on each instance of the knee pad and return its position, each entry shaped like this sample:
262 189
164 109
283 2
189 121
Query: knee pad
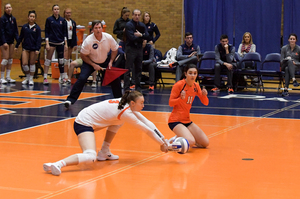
87 156
25 68
4 62
61 61
10 61
67 62
47 62
32 68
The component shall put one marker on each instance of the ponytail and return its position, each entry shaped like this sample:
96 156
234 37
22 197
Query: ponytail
128 97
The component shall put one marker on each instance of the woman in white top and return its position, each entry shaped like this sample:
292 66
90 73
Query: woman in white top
110 114
246 46
72 41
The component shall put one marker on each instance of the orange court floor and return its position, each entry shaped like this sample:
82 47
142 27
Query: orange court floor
253 153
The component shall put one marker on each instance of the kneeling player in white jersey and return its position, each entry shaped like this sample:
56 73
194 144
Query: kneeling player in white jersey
111 114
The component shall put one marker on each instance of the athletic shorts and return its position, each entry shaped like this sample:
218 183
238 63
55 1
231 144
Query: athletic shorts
173 124
69 43
79 62
79 128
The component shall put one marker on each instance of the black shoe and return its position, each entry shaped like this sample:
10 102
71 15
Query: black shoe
295 83
285 93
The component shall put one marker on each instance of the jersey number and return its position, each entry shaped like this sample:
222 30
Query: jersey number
113 101
189 100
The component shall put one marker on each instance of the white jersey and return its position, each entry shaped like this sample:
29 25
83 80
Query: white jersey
106 114
98 50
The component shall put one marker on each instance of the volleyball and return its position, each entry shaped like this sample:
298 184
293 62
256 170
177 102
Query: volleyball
180 145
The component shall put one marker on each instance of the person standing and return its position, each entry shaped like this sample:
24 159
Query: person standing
72 42
9 33
151 27
94 51
136 32
56 39
119 26
30 37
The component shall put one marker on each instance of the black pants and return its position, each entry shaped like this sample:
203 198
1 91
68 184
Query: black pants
218 69
86 71
134 58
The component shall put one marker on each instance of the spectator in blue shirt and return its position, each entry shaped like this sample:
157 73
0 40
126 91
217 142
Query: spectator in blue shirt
151 27
31 43
9 33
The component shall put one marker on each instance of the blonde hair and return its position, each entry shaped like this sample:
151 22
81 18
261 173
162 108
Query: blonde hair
247 33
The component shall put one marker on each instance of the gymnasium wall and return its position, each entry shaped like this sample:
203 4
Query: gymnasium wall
167 14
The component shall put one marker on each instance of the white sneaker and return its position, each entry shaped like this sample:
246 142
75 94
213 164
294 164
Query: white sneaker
10 80
106 156
55 170
3 81
47 166
67 83
25 81
31 82
94 85
45 81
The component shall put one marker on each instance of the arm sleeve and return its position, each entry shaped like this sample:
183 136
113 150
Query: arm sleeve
74 35
16 31
253 48
230 55
2 31
217 56
138 120
151 56
157 33
116 28
198 50
282 57
39 38
47 29
130 32
175 95
240 50
179 55
20 38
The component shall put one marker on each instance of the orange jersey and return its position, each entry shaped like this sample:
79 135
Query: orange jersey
182 107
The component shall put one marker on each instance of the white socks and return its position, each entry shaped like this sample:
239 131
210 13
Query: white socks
105 146
61 163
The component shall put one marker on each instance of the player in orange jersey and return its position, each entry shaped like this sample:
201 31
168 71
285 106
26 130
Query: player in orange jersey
182 96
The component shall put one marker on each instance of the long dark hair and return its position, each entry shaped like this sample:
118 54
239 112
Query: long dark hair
186 68
128 97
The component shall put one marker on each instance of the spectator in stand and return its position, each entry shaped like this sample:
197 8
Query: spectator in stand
72 41
151 27
224 61
56 39
149 63
290 62
31 43
119 27
246 46
187 53
9 33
